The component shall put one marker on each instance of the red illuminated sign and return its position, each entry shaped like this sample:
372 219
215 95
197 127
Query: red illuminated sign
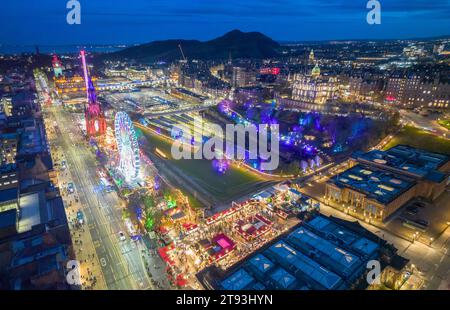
272 71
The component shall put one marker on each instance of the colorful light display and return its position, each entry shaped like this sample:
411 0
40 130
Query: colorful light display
149 223
157 183
127 146
221 165
271 71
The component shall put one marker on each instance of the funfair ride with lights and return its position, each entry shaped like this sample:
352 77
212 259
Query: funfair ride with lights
93 114
127 146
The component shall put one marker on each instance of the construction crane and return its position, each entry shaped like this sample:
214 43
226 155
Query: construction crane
182 54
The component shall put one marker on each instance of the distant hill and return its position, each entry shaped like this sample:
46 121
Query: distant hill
236 43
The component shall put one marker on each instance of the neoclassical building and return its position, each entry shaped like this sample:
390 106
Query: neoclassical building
380 182
313 87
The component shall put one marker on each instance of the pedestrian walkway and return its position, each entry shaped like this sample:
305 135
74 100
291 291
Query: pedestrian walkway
84 249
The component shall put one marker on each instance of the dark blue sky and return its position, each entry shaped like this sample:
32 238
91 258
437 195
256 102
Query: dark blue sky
137 21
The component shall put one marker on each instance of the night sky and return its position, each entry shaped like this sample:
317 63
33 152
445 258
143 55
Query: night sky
43 22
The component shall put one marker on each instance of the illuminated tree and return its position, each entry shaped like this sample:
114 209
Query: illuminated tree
168 197
304 165
125 214
153 219
149 202
318 161
311 163
149 223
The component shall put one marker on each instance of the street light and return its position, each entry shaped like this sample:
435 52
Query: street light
415 235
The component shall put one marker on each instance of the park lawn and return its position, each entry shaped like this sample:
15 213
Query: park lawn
445 123
420 139
193 202
234 183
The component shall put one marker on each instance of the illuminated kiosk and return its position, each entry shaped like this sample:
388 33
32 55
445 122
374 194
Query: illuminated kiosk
127 146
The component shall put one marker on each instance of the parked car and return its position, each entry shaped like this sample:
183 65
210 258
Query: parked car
419 204
122 236
80 217
70 188
422 222
412 210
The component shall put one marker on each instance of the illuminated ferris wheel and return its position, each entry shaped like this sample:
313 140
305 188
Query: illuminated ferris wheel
127 146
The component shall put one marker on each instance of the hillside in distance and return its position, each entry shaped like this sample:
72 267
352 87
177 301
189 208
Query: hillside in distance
236 44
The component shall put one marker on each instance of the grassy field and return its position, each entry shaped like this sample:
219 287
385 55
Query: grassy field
235 183
445 123
420 139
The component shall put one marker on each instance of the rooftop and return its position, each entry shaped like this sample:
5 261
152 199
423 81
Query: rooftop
261 263
349 239
412 161
8 218
191 94
282 278
31 141
377 184
326 252
296 262
239 280
30 211
8 195
291 257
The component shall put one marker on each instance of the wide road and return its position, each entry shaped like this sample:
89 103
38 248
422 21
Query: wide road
121 261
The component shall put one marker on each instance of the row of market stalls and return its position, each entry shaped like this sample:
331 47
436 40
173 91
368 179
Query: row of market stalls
244 227
286 201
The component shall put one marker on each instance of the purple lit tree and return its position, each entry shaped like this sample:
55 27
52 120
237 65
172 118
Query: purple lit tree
311 163
318 161
303 166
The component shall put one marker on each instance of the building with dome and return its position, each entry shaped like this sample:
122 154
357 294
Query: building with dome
315 72
313 87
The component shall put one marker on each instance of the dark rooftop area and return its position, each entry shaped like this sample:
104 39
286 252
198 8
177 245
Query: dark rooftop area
375 183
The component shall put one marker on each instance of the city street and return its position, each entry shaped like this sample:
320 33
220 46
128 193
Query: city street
121 261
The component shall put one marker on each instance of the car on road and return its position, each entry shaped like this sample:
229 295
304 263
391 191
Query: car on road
412 210
70 188
414 225
422 222
122 236
419 204
80 217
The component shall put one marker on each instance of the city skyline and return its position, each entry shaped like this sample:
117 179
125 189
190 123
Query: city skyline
294 146
44 23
